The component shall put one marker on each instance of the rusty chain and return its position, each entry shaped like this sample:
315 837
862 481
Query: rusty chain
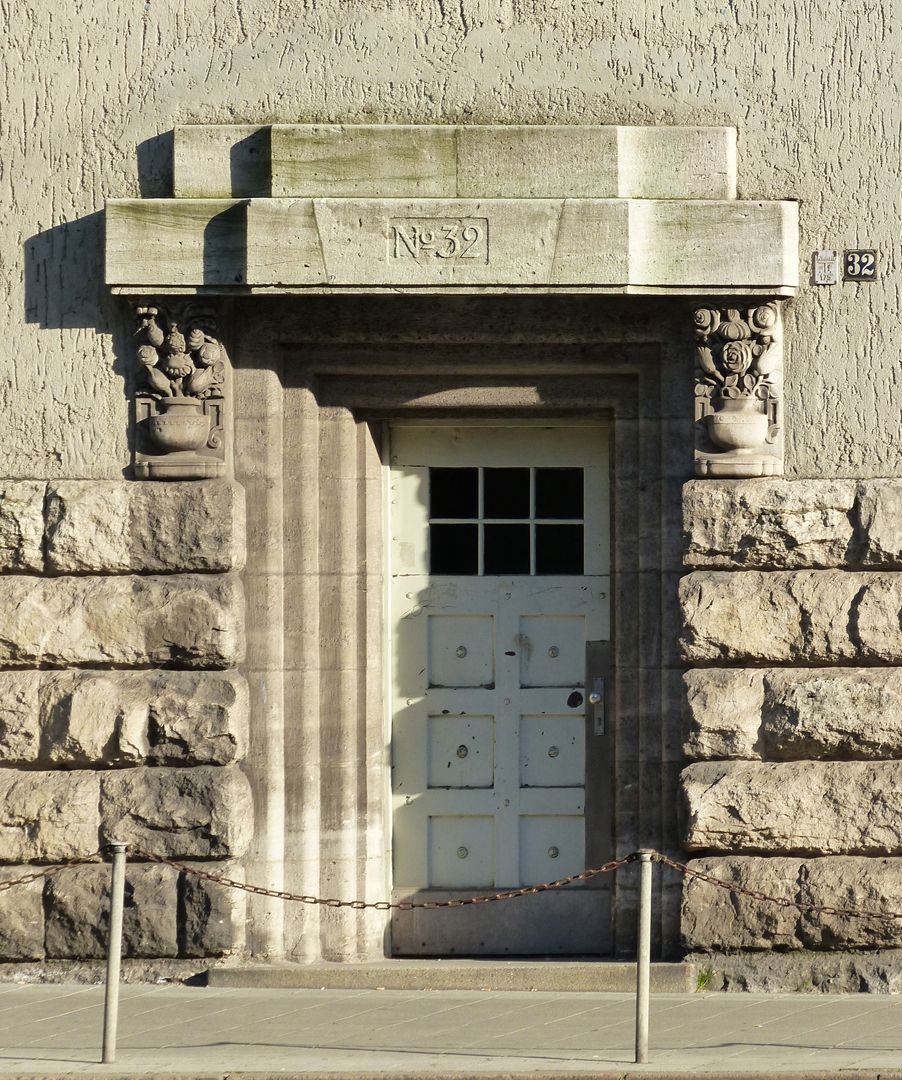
469 901
780 901
386 905
49 871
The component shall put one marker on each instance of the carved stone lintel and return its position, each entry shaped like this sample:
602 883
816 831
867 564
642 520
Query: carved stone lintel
739 391
180 403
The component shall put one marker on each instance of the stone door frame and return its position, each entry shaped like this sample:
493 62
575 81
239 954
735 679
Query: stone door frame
318 444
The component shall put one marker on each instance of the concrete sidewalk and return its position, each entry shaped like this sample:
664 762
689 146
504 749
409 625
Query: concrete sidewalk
55 1030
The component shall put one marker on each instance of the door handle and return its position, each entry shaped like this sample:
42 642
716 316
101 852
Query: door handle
596 700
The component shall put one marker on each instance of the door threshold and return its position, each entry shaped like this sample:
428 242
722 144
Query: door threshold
593 976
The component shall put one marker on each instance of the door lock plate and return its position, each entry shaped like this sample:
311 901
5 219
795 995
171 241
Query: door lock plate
597 661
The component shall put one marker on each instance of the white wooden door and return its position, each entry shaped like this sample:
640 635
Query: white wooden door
499 578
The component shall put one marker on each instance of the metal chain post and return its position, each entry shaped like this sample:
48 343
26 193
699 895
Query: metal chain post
113 953
643 955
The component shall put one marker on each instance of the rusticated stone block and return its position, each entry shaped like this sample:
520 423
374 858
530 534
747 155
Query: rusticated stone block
48 816
116 526
22 525
788 616
213 917
78 912
188 620
86 718
722 714
21 917
713 918
768 523
20 736
785 714
199 813
829 807
195 718
880 521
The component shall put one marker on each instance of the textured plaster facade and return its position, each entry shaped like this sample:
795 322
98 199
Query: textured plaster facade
811 87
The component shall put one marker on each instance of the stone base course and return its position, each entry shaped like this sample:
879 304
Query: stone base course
800 972
101 718
785 617
822 807
185 621
785 714
786 524
199 813
117 527
713 918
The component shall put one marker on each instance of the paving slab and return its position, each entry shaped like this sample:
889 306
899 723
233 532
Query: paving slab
196 1033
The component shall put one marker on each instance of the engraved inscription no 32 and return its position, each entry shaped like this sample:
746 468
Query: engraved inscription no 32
448 239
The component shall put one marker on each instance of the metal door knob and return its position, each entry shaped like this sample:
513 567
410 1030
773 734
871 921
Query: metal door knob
594 698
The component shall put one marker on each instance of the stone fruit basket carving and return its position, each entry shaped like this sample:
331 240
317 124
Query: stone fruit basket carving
182 367
739 379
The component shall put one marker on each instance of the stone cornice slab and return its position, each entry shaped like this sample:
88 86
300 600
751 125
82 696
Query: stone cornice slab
550 161
672 246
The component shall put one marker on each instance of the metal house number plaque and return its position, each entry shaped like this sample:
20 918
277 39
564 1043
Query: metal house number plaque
859 265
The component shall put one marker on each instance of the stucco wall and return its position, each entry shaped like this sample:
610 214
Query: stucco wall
89 90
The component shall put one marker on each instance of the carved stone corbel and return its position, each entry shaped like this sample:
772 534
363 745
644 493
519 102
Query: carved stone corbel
181 398
739 391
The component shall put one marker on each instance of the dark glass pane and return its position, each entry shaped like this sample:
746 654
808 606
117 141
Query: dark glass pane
506 549
453 549
559 493
453 493
505 493
559 549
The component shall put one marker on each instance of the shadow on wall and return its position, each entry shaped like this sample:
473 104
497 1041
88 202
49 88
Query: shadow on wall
65 281
155 174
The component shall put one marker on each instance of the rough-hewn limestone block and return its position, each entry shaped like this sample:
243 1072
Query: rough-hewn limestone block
48 816
712 918
190 620
201 813
20 735
768 523
785 714
722 713
22 525
86 718
829 807
21 917
786 616
880 521
787 524
113 526
78 912
213 917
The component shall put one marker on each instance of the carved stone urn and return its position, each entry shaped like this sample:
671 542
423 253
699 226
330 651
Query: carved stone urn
739 424
182 426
